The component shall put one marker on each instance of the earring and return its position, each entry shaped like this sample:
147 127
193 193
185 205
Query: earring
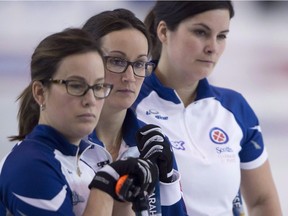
42 107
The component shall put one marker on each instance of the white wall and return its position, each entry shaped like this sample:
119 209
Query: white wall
255 63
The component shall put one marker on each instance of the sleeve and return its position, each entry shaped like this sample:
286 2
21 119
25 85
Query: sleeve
2 209
253 153
32 184
170 195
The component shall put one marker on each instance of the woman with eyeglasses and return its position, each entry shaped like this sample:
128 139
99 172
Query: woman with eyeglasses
50 170
125 44
215 134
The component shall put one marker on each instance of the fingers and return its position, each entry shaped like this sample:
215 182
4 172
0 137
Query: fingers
149 172
155 146
153 137
145 134
149 128
141 180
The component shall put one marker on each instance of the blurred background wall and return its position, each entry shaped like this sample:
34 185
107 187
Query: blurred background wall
255 62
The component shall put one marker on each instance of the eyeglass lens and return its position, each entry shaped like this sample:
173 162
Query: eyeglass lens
119 65
78 88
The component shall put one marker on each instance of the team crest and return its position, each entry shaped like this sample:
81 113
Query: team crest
218 136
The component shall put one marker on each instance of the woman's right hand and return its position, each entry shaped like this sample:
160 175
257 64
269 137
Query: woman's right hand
142 177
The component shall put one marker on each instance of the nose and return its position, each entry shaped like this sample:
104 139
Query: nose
89 98
129 74
211 46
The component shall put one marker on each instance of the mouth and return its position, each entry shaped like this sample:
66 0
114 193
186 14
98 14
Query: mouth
126 91
87 116
206 61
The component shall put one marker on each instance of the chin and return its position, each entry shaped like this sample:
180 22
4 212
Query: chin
86 130
204 73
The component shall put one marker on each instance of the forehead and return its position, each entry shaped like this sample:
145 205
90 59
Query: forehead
88 65
125 39
218 19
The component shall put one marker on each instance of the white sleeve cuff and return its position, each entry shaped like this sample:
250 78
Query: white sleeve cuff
255 163
170 193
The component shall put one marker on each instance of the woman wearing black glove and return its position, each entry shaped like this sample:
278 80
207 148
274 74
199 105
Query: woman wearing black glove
48 172
126 45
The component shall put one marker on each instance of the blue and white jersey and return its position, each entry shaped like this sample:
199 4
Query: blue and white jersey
170 193
46 175
213 138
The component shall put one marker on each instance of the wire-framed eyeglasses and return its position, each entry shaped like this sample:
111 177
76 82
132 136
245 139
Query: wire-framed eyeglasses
120 65
80 88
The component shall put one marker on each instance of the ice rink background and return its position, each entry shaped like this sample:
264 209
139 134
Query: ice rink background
255 62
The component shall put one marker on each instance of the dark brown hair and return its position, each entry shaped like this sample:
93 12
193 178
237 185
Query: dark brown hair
108 21
174 12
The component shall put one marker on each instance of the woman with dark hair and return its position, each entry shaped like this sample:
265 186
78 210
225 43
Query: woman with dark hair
216 136
48 172
125 43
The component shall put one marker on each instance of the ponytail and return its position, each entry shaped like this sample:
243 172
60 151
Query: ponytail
152 28
28 114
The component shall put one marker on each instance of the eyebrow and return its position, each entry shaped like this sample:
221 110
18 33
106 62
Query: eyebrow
208 28
124 54
83 79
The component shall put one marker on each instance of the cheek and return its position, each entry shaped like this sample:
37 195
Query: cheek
192 45
61 105
222 47
184 47
98 108
57 111
59 98
112 78
138 84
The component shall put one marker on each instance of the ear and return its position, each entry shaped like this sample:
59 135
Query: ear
162 31
38 92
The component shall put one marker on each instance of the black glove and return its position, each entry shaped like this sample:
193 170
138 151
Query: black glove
154 145
142 172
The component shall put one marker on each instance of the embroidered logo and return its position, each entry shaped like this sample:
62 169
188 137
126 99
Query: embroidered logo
102 163
151 111
218 136
77 198
179 145
156 114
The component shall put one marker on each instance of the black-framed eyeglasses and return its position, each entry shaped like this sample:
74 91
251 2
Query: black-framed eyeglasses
80 88
120 65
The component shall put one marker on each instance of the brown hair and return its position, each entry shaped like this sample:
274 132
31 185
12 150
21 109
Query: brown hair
44 64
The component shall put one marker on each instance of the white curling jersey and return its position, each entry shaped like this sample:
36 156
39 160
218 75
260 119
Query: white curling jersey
213 138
